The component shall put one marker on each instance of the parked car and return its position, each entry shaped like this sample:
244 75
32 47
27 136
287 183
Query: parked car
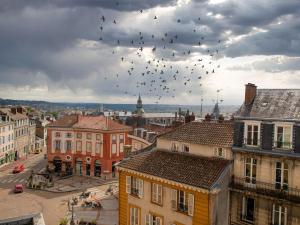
19 168
18 188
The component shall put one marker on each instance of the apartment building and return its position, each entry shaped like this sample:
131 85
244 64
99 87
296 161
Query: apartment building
86 145
31 136
21 129
7 152
265 188
183 180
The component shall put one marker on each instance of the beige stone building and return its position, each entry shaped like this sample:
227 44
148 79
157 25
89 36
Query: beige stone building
7 153
265 187
183 180
31 136
21 129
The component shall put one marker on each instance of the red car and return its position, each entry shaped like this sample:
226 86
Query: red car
19 168
18 188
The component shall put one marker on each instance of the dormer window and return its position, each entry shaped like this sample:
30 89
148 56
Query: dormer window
252 134
185 148
283 137
174 147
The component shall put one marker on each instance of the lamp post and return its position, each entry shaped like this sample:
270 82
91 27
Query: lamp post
72 218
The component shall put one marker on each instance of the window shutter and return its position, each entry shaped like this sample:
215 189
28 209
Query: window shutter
174 199
154 193
158 220
238 138
297 138
159 193
141 188
191 205
216 152
147 219
128 184
267 136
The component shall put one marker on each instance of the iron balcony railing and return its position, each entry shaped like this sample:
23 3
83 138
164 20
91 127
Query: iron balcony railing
262 188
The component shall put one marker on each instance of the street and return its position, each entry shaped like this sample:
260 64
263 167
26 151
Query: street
53 206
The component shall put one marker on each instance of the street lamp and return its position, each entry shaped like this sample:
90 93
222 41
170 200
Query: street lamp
72 218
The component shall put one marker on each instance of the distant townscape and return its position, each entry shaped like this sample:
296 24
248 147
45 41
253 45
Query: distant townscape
99 166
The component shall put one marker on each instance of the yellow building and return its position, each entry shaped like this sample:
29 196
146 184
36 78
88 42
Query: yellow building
165 186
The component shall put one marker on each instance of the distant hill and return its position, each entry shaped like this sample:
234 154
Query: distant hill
57 106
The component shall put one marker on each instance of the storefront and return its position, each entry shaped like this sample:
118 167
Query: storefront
97 168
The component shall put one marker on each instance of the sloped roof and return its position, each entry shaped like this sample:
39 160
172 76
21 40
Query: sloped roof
273 103
16 116
203 133
197 171
89 122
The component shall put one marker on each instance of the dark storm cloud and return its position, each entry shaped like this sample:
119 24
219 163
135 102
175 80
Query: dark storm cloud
57 42
119 5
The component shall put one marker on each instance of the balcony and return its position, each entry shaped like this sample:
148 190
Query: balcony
266 189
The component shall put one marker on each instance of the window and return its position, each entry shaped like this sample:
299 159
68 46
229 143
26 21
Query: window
134 186
88 146
79 135
121 137
88 136
113 148
98 147
79 146
182 201
250 170
113 138
220 152
57 145
68 145
57 134
153 220
282 174
252 135
248 209
156 195
283 135
279 215
98 137
174 147
121 147
185 148
134 216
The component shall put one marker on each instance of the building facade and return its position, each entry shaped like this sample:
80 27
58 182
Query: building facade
31 136
169 185
86 145
21 129
265 187
7 152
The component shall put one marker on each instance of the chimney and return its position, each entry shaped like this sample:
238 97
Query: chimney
13 110
207 117
250 93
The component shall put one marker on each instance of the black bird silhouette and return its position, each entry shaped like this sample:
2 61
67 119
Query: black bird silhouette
115 22
155 17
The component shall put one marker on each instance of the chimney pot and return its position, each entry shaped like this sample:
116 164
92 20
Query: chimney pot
250 93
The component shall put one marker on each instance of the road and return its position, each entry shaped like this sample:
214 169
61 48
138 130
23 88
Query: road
53 206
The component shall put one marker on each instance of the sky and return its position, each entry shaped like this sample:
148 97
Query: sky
63 50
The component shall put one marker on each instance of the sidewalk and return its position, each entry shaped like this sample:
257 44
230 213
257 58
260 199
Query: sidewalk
77 183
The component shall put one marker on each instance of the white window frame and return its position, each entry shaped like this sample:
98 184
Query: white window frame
252 123
251 178
244 209
134 216
157 192
282 169
284 125
174 146
185 145
217 151
151 219
281 211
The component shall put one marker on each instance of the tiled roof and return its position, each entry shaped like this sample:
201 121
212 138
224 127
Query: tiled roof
89 122
197 171
273 103
17 116
203 133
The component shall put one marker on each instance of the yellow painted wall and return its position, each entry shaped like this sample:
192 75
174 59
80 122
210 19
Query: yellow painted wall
201 203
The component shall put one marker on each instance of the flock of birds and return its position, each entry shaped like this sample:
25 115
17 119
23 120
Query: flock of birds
160 75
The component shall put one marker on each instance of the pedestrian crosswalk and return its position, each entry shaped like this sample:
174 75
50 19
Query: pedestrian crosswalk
11 180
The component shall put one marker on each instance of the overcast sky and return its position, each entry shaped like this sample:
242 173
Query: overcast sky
50 50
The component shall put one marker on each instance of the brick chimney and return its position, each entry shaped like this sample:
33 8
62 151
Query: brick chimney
250 93
13 110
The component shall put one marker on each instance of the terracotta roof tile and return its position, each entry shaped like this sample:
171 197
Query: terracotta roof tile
89 122
197 171
203 133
